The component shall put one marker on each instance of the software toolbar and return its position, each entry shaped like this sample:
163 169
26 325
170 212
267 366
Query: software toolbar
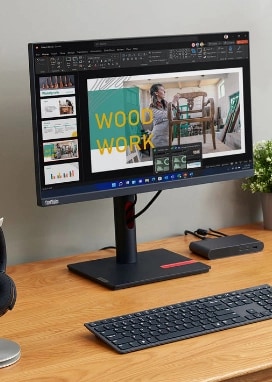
65 60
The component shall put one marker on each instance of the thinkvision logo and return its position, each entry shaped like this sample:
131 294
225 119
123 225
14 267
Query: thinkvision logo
51 202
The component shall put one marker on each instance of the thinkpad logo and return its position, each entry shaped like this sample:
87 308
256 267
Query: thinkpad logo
51 202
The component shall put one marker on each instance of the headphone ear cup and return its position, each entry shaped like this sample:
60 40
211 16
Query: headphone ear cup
7 293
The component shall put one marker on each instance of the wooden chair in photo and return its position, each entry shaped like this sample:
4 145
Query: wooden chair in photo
199 110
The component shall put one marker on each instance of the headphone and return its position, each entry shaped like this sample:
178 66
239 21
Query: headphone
7 286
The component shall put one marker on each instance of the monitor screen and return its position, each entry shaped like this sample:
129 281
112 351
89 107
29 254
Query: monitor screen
119 117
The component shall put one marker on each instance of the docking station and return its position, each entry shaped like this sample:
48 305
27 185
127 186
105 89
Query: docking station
226 246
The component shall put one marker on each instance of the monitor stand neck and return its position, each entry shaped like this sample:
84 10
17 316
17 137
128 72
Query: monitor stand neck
125 229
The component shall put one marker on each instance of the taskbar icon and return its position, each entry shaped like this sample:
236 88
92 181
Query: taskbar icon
152 179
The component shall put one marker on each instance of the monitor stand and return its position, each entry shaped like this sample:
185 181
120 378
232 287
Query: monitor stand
130 268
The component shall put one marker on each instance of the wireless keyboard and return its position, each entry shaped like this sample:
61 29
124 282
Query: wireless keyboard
158 326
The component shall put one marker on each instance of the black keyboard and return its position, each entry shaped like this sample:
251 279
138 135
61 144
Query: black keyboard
158 326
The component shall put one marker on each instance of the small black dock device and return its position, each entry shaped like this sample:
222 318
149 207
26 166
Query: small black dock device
226 246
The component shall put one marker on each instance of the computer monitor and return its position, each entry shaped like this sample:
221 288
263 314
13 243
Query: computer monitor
119 117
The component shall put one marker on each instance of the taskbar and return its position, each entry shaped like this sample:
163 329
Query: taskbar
189 173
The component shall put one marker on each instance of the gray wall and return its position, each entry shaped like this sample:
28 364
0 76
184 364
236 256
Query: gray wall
34 233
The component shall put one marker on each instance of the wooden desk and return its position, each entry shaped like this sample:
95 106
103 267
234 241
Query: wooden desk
53 303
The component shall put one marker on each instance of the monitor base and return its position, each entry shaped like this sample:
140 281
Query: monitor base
10 352
151 266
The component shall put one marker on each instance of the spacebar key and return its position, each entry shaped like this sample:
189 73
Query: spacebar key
180 333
